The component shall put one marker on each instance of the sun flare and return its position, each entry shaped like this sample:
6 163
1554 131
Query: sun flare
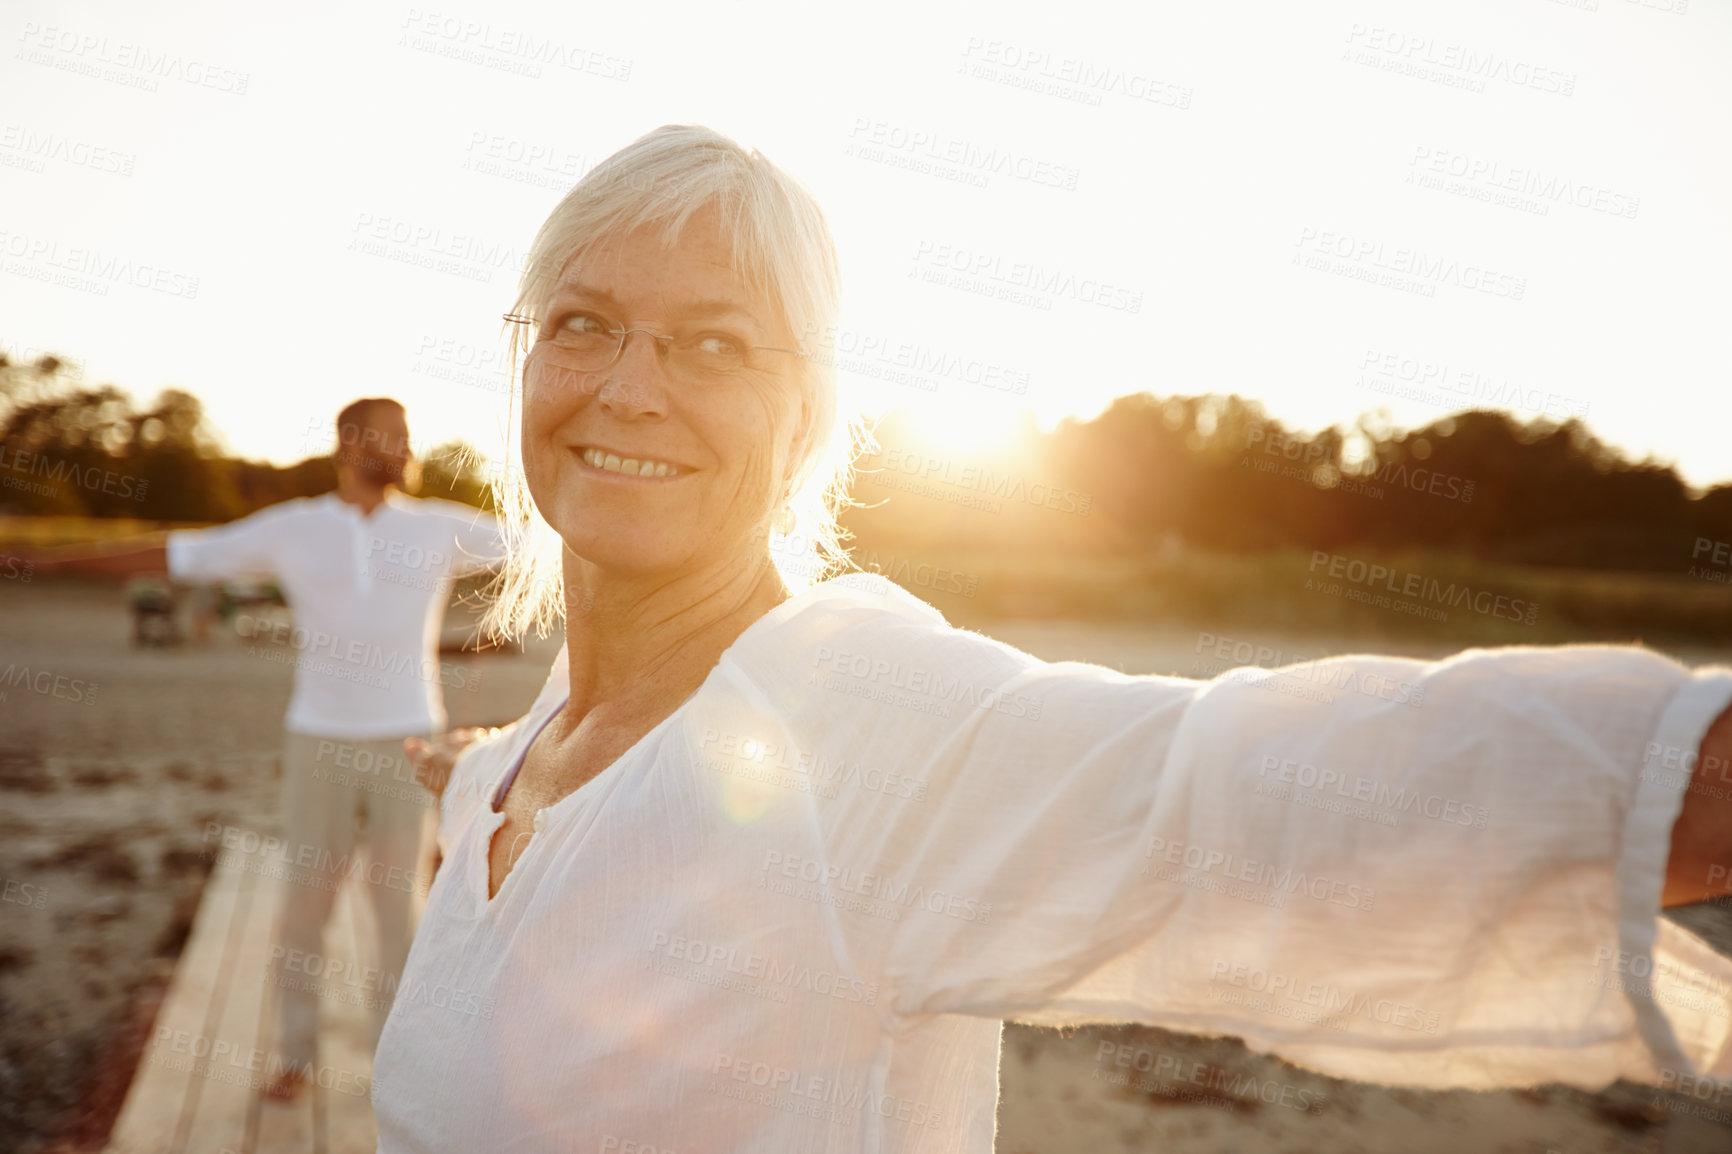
962 430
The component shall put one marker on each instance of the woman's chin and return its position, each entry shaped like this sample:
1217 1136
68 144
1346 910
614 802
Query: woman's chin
629 555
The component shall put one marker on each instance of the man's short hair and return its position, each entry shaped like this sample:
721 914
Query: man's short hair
359 414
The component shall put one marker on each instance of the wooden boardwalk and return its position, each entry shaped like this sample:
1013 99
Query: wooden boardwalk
198 1086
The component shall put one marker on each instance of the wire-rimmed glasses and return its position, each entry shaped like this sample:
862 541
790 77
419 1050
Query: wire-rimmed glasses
698 356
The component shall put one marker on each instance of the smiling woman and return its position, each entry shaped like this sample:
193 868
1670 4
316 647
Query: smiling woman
755 288
722 435
765 869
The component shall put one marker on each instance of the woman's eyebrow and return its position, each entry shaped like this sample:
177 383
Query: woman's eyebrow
715 308
577 290
705 309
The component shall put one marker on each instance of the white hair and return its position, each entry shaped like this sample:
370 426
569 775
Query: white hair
782 247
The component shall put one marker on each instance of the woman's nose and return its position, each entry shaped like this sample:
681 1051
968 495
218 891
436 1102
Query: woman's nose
636 385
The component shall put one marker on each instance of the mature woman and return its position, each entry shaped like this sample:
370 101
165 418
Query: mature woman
723 889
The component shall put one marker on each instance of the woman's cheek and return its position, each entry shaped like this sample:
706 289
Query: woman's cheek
548 381
540 421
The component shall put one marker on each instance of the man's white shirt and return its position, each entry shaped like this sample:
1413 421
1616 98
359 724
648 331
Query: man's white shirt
368 593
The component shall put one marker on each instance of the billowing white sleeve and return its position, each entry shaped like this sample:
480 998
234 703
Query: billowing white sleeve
1442 874
248 547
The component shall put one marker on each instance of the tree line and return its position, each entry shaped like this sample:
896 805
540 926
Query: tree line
1151 474
1148 474
71 450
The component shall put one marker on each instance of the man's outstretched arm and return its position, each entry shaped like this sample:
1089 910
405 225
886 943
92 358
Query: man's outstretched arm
127 557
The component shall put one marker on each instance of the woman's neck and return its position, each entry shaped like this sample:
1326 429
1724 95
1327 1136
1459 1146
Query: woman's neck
650 641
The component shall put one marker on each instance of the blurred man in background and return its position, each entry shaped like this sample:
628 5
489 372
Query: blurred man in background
367 573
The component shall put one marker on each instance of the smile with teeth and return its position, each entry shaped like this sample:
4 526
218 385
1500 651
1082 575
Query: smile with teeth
629 466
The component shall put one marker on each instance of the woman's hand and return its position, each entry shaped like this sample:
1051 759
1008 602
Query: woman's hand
433 760
1697 868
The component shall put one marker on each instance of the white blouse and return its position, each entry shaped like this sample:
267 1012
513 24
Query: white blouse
793 915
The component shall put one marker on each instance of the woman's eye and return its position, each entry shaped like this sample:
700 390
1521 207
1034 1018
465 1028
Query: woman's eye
577 327
583 324
717 345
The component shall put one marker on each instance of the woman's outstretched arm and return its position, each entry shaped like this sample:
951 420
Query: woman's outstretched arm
1443 873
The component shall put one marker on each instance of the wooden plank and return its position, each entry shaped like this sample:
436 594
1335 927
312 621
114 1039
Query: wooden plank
198 1086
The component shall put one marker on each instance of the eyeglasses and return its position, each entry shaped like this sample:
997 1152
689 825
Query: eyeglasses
697 357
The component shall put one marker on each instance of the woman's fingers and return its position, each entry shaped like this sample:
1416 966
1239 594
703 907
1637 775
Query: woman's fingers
434 760
432 763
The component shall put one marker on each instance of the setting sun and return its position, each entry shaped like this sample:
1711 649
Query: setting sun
963 430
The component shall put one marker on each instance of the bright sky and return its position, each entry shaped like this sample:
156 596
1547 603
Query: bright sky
1515 202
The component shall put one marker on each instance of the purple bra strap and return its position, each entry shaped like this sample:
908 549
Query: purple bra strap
505 786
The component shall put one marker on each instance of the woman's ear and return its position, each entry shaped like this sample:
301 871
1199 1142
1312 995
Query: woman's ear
801 445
